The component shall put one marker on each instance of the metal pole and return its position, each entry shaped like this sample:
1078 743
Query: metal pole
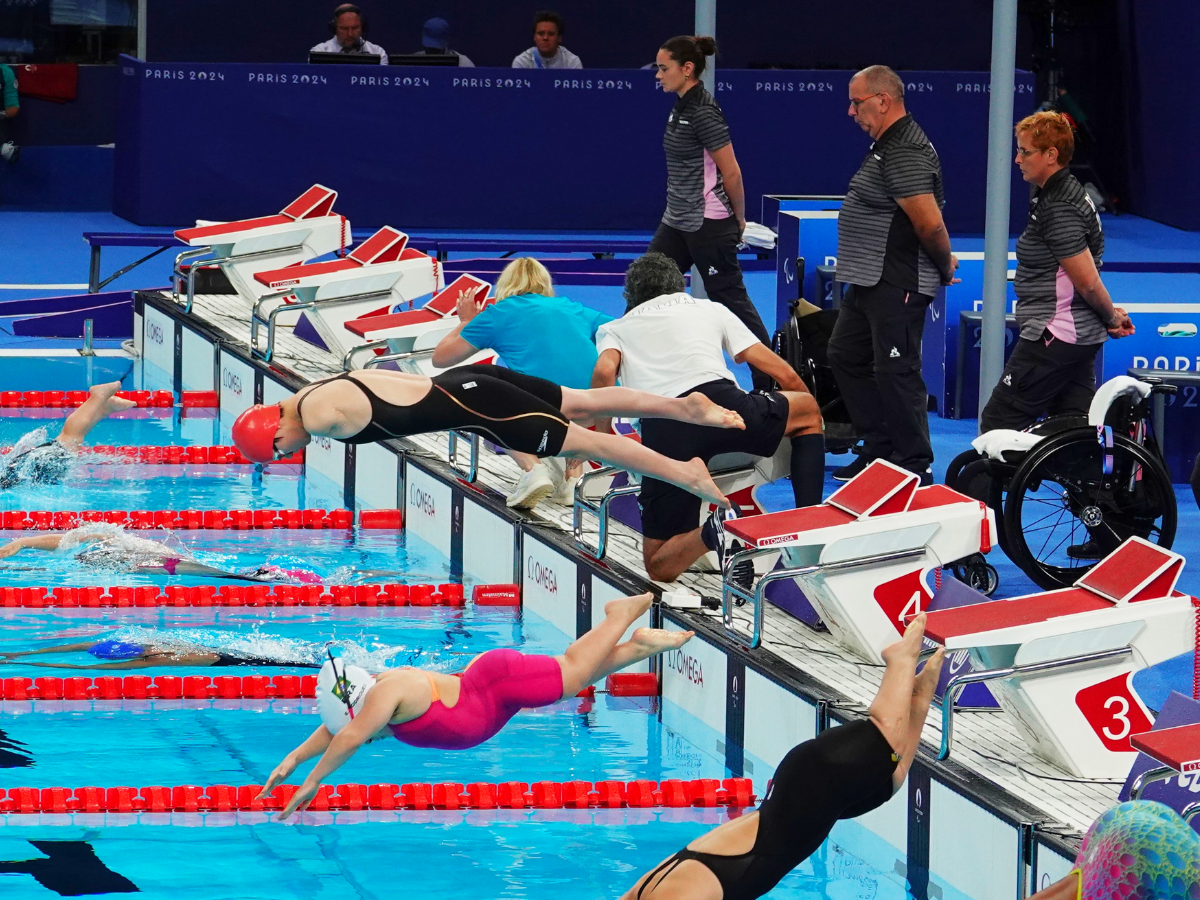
141 29
999 180
706 24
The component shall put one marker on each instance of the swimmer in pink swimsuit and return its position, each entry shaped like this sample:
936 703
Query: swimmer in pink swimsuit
456 712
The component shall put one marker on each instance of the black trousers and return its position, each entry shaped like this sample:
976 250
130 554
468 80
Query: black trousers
1042 377
713 250
875 354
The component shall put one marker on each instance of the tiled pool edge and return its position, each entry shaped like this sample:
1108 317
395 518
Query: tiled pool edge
975 837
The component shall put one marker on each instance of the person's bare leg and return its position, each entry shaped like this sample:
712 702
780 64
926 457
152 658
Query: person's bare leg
630 455
584 656
890 711
1064 889
667 560
922 696
606 402
642 644
525 460
100 403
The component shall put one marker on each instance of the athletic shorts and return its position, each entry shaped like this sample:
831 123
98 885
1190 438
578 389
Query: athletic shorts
668 510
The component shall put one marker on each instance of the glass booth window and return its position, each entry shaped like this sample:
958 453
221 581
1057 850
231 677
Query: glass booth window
80 31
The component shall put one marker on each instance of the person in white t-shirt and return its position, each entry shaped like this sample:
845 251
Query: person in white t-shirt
547 51
670 343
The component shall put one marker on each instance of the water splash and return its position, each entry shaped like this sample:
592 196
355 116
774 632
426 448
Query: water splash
103 545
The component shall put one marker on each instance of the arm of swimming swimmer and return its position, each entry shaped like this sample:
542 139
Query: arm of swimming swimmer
314 745
605 375
61 648
761 357
377 709
40 542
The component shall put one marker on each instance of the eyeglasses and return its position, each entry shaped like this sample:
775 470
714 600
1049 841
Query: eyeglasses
856 103
1025 154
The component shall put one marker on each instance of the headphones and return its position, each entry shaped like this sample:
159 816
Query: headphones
347 8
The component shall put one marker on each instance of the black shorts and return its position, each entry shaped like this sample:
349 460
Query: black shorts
668 510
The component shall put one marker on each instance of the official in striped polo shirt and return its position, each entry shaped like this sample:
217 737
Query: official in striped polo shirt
893 253
1063 309
706 206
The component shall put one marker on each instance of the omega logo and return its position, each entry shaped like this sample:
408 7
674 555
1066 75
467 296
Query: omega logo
232 381
154 332
543 576
420 500
687 666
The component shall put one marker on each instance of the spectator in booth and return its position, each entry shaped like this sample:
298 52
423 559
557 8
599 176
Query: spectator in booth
547 51
349 29
435 39
1063 309
10 105
535 333
893 254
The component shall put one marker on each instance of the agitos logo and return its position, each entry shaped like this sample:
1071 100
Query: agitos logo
687 666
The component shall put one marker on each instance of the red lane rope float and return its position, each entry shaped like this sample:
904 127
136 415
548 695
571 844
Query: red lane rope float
161 687
703 792
208 595
198 519
170 455
74 399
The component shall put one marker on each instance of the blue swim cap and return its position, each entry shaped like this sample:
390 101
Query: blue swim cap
116 650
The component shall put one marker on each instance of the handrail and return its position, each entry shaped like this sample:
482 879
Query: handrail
473 466
256 319
955 685
730 589
197 252
348 356
1147 778
598 508
1190 811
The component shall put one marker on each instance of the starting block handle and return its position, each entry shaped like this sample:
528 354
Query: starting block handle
178 276
1190 811
452 451
257 320
955 685
1147 778
599 509
348 357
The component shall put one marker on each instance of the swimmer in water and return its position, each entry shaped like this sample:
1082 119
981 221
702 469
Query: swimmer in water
844 772
47 462
122 654
110 546
456 712
523 413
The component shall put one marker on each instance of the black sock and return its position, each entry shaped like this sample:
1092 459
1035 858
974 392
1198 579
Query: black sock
708 534
808 469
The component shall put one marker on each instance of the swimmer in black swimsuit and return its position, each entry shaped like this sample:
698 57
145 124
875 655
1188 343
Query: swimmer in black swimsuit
844 772
49 461
521 412
127 655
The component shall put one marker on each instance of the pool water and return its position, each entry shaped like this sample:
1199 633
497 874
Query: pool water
479 854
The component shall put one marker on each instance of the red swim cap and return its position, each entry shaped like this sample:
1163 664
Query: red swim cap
254 432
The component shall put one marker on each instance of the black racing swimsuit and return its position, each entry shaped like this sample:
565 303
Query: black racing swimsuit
519 411
840 774
224 659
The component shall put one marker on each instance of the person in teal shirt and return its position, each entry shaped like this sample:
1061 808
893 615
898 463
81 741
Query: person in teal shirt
535 333
10 105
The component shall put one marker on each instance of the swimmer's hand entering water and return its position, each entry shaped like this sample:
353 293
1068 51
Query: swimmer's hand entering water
40 542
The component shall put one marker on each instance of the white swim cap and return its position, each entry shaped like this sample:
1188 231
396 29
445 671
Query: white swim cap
341 688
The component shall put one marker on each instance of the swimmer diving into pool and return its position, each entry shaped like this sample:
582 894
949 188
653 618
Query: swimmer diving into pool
844 772
105 546
47 462
456 712
521 412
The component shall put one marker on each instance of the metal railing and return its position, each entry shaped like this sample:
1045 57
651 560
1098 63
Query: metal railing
257 320
956 684
472 471
1147 778
196 253
756 596
598 508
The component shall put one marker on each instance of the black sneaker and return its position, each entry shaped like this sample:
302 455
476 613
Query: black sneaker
848 471
1089 549
713 536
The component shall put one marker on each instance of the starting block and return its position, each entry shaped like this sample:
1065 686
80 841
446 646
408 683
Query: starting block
863 557
379 273
1062 662
1177 751
408 338
304 229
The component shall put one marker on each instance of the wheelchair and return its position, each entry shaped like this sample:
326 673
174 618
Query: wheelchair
1071 489
802 343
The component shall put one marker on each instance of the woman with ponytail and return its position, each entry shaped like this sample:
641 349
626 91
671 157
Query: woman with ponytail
706 206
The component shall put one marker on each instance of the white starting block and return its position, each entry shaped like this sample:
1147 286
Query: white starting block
1062 662
378 274
861 557
305 229
738 476
409 338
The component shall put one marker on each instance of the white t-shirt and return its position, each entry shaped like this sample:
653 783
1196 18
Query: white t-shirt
562 59
673 343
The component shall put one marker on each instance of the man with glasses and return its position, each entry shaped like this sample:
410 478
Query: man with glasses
893 253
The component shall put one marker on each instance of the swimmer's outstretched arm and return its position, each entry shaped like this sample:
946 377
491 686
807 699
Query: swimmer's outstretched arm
377 709
141 662
39 542
60 648
314 745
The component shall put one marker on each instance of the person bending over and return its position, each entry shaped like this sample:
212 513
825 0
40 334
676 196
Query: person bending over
519 412
104 546
535 333
122 654
47 462
457 712
844 772
672 344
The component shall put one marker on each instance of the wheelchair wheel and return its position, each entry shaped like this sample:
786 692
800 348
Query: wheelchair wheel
976 572
1063 512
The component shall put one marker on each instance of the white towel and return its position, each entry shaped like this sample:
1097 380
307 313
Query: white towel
993 444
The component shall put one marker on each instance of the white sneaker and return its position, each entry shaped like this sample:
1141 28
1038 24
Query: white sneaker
564 493
534 486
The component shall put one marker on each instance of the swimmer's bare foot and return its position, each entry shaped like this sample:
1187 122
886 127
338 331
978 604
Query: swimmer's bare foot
106 394
700 482
702 411
632 608
908 648
652 641
926 682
